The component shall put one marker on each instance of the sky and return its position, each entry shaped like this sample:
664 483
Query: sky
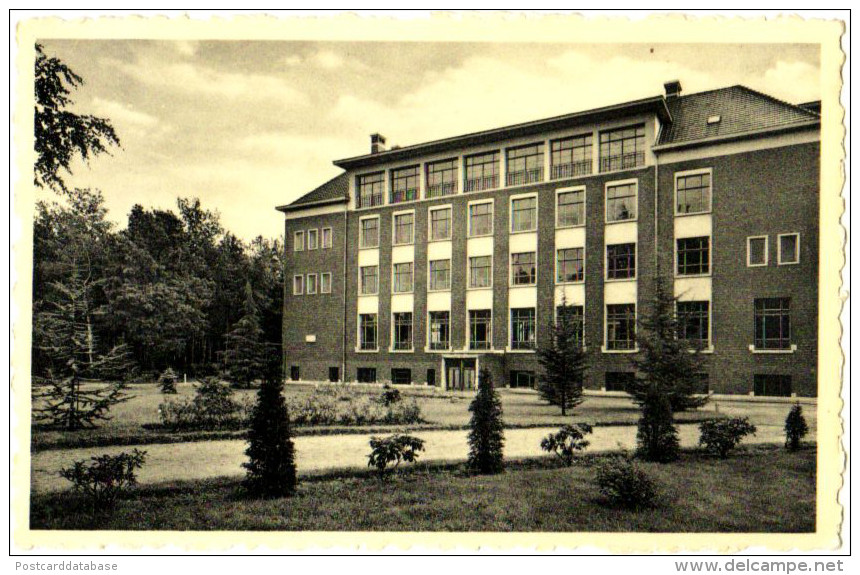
247 126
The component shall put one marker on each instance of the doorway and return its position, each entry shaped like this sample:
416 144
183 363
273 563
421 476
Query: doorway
460 373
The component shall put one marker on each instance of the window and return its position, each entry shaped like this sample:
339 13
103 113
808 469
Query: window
772 384
523 269
621 326
570 208
367 332
440 275
311 284
623 148
431 377
366 375
480 219
480 271
370 189
523 328
576 315
482 172
369 234
334 374
524 214
694 256
298 241
773 323
522 379
441 178
789 249
570 264
440 330
621 261
618 380
325 282
480 328
694 322
298 285
368 280
326 238
571 157
440 224
757 251
621 202
525 164
403 277
402 325
313 239
693 193
401 376
404 184
404 228
295 373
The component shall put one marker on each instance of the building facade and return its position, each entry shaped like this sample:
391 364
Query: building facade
426 263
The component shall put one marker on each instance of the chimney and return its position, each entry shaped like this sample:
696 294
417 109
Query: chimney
377 143
673 89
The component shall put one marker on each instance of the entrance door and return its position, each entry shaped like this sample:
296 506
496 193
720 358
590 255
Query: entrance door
460 373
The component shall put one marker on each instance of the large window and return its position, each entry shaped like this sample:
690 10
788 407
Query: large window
369 233
440 330
571 157
404 184
440 224
694 256
524 164
481 219
313 239
402 325
694 322
570 265
368 280
525 379
789 249
523 328
325 282
311 284
480 271
523 269
404 228
757 251
772 384
524 214
575 314
441 178
326 237
482 172
298 241
366 374
570 208
440 275
480 329
621 326
773 323
401 376
621 202
370 189
693 193
621 261
298 285
403 275
623 148
367 332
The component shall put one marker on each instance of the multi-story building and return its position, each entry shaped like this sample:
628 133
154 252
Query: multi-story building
425 263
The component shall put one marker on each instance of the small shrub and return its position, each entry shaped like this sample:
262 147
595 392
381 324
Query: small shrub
212 407
657 436
393 449
720 436
795 427
389 396
177 415
167 381
623 483
567 441
104 477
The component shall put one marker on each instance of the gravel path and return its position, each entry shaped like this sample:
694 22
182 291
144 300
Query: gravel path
202 459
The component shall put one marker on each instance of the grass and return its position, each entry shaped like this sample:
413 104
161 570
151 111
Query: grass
759 489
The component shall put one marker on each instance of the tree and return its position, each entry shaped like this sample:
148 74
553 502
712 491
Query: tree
563 361
486 429
657 436
795 427
61 135
244 358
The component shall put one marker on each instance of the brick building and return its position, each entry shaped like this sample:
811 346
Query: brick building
425 263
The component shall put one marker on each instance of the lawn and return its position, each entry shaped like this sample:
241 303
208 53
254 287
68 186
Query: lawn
760 489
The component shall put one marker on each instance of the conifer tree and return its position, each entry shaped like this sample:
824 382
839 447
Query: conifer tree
486 435
244 357
796 427
657 436
563 362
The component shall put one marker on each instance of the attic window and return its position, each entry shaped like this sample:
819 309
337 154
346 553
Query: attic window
714 119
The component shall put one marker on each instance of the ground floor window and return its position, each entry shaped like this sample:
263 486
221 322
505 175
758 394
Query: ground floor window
523 328
693 322
401 376
621 326
619 380
295 373
366 375
522 379
772 384
431 377
402 331
773 323
440 330
575 314
480 332
367 331
334 374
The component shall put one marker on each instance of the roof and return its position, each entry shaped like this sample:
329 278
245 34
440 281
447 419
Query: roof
740 110
333 191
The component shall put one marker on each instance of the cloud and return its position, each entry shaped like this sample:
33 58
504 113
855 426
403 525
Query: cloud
122 113
328 59
186 47
794 82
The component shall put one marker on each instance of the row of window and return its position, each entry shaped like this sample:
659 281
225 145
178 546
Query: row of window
316 238
569 157
788 251
309 284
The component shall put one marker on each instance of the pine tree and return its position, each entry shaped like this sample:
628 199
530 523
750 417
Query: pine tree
563 362
657 436
271 466
486 435
795 427
244 356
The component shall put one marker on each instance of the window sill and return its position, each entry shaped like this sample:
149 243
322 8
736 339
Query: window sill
754 349
617 280
374 294
684 215
412 243
707 350
486 288
437 240
517 232
691 276
571 283
627 221
439 290
515 286
569 227
402 292
357 350
401 351
368 247
446 350
603 349
757 265
472 236
788 263
511 350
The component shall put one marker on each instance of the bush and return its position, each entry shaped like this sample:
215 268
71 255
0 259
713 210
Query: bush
212 407
623 483
167 381
657 436
567 441
720 436
486 434
795 427
104 477
393 449
389 396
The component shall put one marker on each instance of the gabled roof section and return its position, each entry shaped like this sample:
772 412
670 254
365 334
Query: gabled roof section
728 112
334 191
